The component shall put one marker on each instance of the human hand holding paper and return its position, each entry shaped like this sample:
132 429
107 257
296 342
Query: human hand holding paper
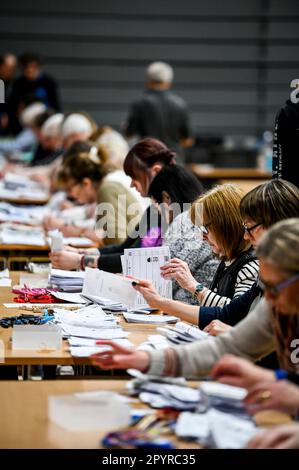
119 357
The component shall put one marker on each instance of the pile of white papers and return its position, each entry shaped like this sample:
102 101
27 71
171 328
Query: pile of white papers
87 317
68 281
106 304
216 429
161 395
84 326
16 186
150 319
31 215
154 342
22 193
224 398
145 263
16 234
183 333
72 297
14 181
85 351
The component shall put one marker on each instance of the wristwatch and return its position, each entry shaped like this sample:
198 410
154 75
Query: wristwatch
200 287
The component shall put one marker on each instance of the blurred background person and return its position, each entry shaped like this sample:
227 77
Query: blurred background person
32 81
160 113
26 140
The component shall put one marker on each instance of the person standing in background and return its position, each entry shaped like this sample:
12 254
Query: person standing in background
159 112
33 81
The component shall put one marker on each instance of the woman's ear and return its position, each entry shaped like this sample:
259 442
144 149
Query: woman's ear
86 182
166 199
156 168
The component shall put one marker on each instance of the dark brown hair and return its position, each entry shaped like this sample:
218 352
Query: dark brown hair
271 202
145 154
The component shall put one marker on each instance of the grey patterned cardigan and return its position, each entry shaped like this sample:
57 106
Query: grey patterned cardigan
185 242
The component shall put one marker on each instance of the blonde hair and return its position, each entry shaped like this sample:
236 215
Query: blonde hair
280 245
220 209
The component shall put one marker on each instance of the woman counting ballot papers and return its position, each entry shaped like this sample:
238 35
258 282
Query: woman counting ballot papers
270 326
260 209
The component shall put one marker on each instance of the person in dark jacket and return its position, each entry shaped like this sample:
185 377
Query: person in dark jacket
160 113
286 143
33 81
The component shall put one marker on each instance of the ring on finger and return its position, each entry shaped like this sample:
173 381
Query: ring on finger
265 395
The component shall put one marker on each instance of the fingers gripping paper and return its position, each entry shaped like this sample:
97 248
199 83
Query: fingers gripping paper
145 263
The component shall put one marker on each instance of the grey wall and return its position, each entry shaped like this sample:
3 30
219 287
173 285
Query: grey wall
233 59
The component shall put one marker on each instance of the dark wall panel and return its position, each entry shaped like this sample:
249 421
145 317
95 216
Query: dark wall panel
233 60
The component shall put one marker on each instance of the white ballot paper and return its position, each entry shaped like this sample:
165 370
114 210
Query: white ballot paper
151 319
145 263
56 240
111 286
228 431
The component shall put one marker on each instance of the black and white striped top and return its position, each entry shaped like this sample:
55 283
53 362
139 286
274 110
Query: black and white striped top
246 277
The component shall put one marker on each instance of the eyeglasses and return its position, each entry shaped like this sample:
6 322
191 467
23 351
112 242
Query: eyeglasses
275 290
204 228
249 229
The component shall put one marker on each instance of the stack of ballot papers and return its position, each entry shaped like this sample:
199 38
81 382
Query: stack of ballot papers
68 281
147 318
183 333
164 395
15 187
78 347
224 398
215 429
72 297
84 326
14 181
31 215
154 342
221 420
106 304
17 234
145 263
23 193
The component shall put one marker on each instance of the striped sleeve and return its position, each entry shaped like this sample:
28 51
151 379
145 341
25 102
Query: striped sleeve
247 276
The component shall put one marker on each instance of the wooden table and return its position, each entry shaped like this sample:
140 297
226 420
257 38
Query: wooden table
26 253
25 424
246 178
24 415
138 334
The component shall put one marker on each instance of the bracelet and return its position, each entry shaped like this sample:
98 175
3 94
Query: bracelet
280 374
82 264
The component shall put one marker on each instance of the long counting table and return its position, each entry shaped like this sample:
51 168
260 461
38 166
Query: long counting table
138 334
25 423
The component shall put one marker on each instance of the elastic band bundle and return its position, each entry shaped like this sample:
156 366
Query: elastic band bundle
37 295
